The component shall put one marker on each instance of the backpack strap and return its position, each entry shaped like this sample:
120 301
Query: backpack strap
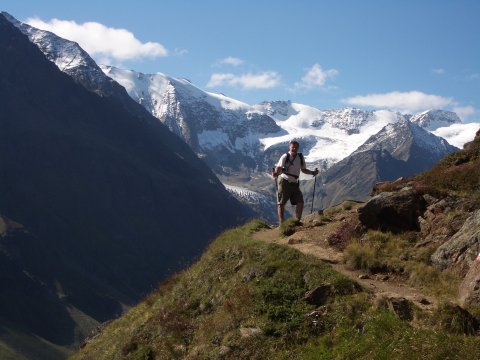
287 161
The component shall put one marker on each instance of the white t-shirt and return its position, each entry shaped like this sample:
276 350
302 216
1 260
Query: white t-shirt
293 167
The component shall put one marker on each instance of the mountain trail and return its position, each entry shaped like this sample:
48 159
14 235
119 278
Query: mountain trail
311 239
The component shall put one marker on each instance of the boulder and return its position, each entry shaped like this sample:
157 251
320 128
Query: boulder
395 212
459 252
319 295
401 307
469 292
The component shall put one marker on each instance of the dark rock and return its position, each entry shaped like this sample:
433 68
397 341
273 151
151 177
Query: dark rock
424 301
393 211
319 295
460 251
401 307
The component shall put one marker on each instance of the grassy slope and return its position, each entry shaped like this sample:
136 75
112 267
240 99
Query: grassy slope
240 284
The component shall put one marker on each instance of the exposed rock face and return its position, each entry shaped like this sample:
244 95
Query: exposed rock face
393 211
469 292
460 251
437 224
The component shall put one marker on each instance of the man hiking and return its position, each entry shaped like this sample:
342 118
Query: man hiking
289 167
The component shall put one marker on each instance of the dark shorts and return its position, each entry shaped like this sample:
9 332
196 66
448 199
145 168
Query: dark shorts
288 191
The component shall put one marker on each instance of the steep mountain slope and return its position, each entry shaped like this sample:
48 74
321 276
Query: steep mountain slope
274 302
101 193
400 149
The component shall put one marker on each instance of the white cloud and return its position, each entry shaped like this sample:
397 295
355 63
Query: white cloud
180 52
464 111
439 71
231 60
458 134
264 80
316 77
405 102
102 41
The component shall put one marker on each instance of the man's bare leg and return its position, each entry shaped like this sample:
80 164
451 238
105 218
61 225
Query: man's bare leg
299 210
281 210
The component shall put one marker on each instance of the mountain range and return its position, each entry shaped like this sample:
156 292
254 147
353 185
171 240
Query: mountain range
241 142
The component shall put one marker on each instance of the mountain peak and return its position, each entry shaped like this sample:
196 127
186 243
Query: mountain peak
396 136
434 119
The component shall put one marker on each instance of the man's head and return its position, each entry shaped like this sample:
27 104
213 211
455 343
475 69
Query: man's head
293 146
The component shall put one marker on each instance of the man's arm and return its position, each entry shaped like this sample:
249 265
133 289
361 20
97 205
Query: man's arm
277 170
310 172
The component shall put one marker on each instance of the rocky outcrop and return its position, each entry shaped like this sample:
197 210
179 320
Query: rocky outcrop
319 295
439 222
469 292
393 211
459 252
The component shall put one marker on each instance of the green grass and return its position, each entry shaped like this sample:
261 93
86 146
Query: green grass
287 227
382 336
240 283
379 252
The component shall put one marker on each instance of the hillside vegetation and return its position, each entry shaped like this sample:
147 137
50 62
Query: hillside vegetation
247 299
261 293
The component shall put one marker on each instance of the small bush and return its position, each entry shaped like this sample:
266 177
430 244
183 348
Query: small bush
348 205
441 284
455 320
377 252
332 211
287 227
358 257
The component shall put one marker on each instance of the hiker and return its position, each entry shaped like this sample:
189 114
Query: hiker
289 167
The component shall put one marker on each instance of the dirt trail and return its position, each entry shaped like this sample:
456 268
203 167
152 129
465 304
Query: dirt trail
311 239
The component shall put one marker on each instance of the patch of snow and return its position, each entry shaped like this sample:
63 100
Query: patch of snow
212 138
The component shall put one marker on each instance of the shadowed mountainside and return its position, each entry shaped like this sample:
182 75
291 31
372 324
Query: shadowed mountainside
101 197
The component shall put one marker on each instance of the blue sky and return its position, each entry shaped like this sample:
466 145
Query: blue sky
402 55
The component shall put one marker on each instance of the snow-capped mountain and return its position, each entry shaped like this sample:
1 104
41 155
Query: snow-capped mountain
395 137
228 133
206 121
434 119
70 58
67 55
399 149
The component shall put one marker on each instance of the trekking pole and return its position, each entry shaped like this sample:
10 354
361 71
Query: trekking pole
314 184
275 179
